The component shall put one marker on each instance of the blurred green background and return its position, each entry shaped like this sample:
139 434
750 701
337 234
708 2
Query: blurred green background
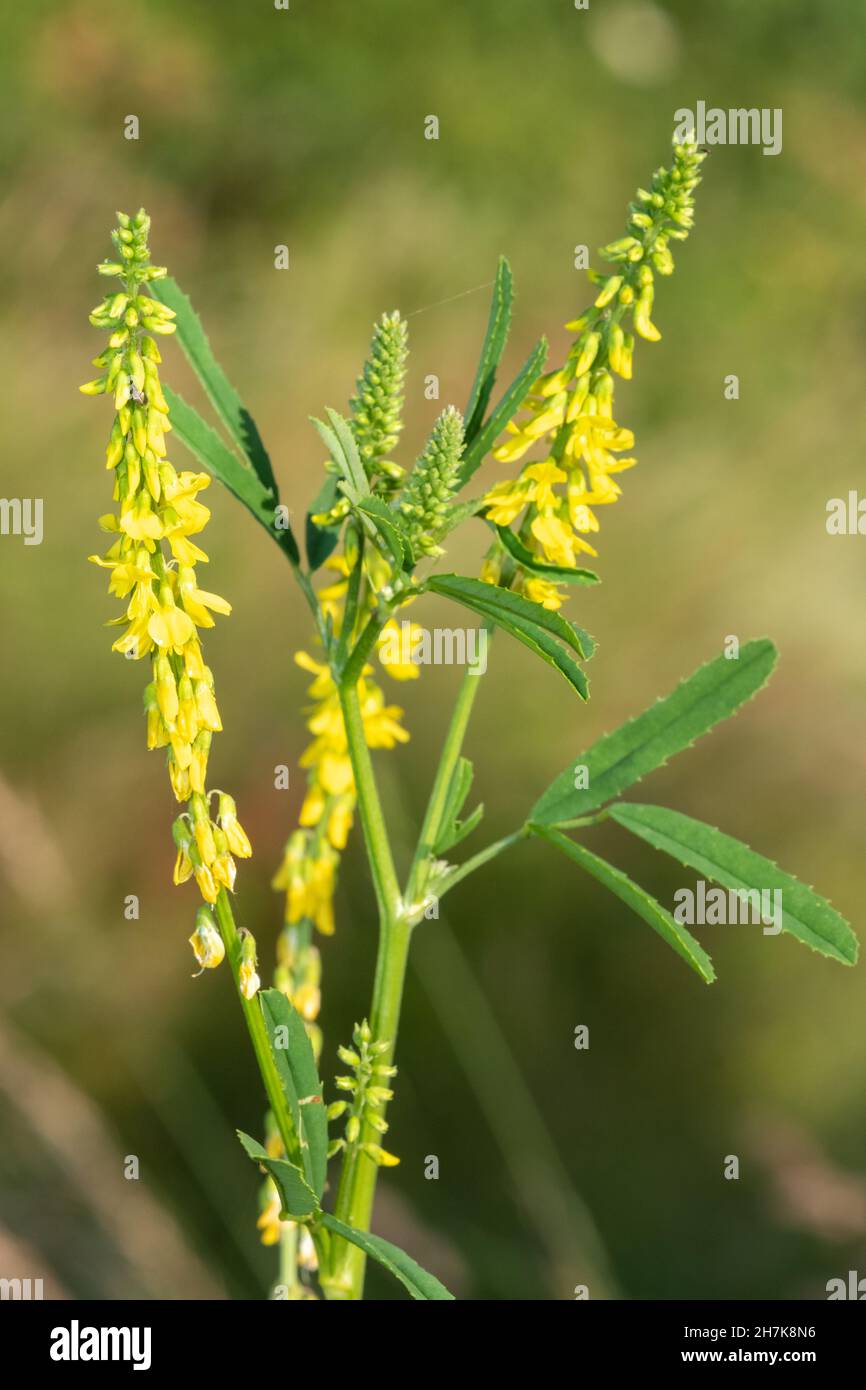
305 127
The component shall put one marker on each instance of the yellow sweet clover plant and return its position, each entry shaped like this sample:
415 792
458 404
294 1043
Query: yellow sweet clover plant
376 534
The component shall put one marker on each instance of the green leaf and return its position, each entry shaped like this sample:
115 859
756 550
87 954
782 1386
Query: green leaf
495 339
454 830
420 1284
340 443
509 405
388 526
619 760
321 541
207 446
805 915
558 574
536 627
637 899
472 592
297 1199
222 395
296 1064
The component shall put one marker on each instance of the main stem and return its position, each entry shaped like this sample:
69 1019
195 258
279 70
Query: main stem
357 1187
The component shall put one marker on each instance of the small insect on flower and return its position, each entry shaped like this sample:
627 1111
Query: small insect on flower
140 397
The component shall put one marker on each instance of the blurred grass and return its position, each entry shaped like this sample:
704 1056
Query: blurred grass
258 128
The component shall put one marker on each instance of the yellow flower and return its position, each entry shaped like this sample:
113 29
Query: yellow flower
206 942
542 591
269 1221
570 411
557 540
249 981
394 637
152 558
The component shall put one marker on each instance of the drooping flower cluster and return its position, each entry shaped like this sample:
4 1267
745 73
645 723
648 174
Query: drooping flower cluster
153 565
570 413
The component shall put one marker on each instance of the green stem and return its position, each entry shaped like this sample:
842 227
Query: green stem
370 807
351 672
461 871
439 794
357 1188
288 1271
252 1012
344 1278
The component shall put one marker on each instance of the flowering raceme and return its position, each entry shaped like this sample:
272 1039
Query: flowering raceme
153 562
570 411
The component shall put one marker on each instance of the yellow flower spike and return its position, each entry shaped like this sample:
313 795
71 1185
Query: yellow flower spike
583 436
157 516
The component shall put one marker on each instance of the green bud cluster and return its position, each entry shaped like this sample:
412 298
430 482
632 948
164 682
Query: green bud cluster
367 1092
377 407
432 483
